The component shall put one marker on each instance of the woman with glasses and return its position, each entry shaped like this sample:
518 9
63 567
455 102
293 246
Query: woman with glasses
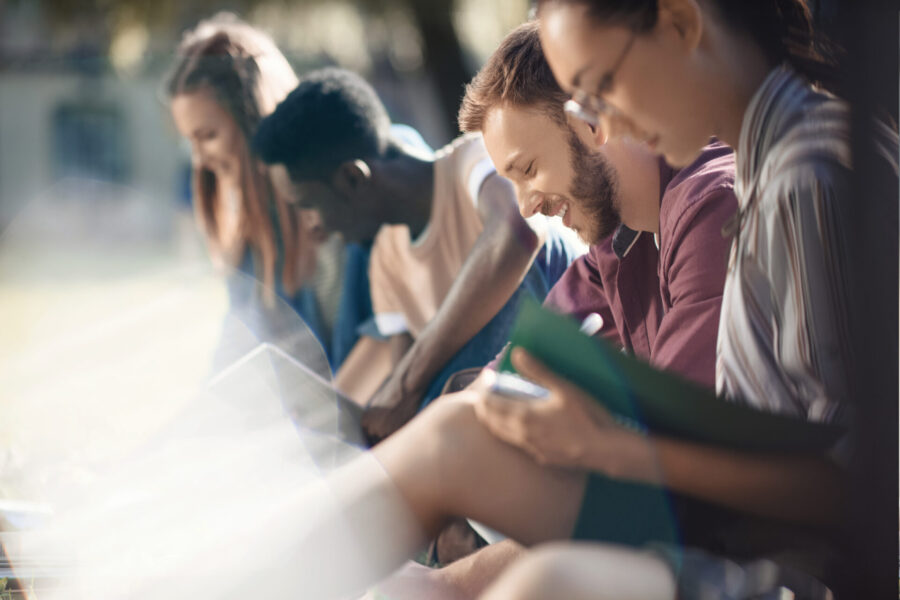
674 73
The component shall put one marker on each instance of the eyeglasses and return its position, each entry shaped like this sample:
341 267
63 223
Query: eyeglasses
590 107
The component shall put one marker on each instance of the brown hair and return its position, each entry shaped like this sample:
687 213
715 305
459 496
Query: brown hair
516 73
782 29
248 76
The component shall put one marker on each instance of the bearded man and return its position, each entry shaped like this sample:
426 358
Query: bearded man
656 266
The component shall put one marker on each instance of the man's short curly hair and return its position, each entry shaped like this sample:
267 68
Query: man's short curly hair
332 116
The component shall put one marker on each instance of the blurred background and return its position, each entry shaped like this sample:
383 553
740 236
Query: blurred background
80 81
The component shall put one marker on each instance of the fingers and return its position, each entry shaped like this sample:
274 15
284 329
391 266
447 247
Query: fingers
533 369
484 381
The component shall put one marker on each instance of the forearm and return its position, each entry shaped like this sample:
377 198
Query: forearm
803 489
488 279
399 345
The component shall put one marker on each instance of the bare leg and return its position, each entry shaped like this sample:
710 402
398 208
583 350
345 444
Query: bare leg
473 574
585 572
445 463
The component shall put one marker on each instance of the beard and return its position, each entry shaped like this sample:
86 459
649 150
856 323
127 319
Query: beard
595 190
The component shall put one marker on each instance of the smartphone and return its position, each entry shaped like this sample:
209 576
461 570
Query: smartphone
513 386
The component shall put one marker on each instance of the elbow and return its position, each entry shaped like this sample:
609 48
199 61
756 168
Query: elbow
517 237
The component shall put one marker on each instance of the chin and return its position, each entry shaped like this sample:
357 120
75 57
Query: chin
681 157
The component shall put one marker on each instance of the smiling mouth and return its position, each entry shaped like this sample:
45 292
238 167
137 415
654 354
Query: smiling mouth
563 214
319 233
556 207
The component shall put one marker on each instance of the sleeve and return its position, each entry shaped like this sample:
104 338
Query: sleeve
807 264
483 169
693 269
389 316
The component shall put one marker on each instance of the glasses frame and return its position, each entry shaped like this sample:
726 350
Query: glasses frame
589 107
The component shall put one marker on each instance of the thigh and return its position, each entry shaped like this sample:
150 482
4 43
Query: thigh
588 572
445 463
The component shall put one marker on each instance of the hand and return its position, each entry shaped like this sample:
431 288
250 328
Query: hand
561 430
389 409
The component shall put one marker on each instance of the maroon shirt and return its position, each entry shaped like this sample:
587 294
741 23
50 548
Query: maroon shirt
663 305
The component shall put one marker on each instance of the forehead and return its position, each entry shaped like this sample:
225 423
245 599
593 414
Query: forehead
512 131
190 109
574 42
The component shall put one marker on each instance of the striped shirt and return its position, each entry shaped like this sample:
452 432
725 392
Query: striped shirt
784 337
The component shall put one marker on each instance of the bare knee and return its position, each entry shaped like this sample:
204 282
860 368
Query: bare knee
575 571
454 442
431 456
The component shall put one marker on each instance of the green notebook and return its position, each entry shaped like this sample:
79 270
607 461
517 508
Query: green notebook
661 401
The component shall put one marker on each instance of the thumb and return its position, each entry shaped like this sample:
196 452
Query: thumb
533 369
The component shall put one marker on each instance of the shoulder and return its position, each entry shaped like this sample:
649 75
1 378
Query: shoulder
462 146
710 176
390 242
467 161
705 187
810 147
463 153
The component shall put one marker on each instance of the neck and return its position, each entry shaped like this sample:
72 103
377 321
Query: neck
407 191
739 71
638 179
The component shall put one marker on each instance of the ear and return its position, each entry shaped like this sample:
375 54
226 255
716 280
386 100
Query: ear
593 136
352 176
685 18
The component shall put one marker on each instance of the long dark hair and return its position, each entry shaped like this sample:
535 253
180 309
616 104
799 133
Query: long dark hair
783 29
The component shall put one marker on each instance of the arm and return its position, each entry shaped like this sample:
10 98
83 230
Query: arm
494 269
570 429
692 277
805 489
400 345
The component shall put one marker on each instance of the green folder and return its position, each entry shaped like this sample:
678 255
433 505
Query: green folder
660 401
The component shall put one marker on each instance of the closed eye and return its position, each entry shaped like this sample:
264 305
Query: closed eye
205 135
529 170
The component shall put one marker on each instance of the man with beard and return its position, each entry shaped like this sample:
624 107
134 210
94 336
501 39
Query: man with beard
656 266
654 272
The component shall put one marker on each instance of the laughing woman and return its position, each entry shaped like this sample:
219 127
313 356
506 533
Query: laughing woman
227 77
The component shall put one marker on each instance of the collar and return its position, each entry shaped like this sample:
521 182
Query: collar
623 240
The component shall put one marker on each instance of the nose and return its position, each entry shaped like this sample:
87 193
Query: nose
199 157
529 201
